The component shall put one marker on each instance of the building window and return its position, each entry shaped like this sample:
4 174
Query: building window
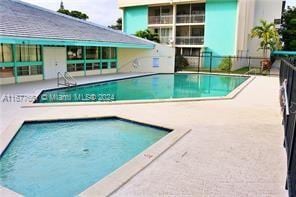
96 66
89 66
36 70
92 53
113 65
6 72
186 52
178 51
74 53
23 70
106 52
109 53
74 67
165 11
92 66
195 52
70 67
6 53
104 65
79 67
28 53
29 70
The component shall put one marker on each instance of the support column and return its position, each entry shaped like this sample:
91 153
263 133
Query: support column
14 63
174 25
189 34
116 55
101 56
84 60
42 57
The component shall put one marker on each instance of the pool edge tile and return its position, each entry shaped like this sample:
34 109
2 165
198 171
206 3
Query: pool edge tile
125 173
8 193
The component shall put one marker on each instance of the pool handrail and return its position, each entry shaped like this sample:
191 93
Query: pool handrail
68 79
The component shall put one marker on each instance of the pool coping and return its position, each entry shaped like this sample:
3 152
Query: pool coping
116 179
230 95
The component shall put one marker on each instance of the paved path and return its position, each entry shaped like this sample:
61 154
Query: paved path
234 148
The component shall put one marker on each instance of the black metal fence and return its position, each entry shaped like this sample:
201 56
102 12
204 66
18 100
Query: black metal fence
288 102
207 62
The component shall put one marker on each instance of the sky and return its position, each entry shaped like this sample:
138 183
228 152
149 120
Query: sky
103 12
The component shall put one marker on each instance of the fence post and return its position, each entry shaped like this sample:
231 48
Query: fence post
288 71
211 56
249 63
229 70
198 65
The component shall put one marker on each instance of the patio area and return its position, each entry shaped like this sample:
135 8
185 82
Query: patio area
234 148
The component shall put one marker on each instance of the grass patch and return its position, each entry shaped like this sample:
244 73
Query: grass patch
242 70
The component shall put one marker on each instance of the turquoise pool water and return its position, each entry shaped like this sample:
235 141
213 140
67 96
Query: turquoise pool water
160 86
66 157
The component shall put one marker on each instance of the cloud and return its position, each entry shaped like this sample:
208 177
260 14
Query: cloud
290 2
103 12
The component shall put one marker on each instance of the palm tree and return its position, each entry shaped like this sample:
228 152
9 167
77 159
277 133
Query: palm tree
268 35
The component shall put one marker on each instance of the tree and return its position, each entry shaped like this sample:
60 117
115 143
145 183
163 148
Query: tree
118 25
226 64
73 13
147 34
288 29
180 62
268 35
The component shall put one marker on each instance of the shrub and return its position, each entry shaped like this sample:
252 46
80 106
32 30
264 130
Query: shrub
226 64
180 62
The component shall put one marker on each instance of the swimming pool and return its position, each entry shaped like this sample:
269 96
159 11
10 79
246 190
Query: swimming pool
151 87
63 158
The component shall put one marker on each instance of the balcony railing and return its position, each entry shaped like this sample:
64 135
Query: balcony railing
161 19
165 39
196 18
186 40
192 61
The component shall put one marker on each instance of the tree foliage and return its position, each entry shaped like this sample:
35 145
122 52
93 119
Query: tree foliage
147 34
73 13
268 36
288 29
118 25
226 64
180 62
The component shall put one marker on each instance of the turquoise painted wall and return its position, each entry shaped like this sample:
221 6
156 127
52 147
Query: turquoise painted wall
220 28
135 19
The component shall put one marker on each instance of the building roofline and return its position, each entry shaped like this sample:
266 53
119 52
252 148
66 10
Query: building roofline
82 21
123 4
68 42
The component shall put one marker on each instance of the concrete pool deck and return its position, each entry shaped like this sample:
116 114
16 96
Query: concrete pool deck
234 147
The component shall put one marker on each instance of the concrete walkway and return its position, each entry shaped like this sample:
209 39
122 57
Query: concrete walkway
234 148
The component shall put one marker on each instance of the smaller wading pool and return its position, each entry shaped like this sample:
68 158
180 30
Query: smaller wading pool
63 158
151 87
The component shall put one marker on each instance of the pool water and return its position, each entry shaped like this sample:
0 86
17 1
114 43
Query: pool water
63 158
160 86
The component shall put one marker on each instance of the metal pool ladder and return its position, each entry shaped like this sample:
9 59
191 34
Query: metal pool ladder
65 79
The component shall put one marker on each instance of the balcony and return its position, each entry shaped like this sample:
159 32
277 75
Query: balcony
167 19
189 40
196 18
165 40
